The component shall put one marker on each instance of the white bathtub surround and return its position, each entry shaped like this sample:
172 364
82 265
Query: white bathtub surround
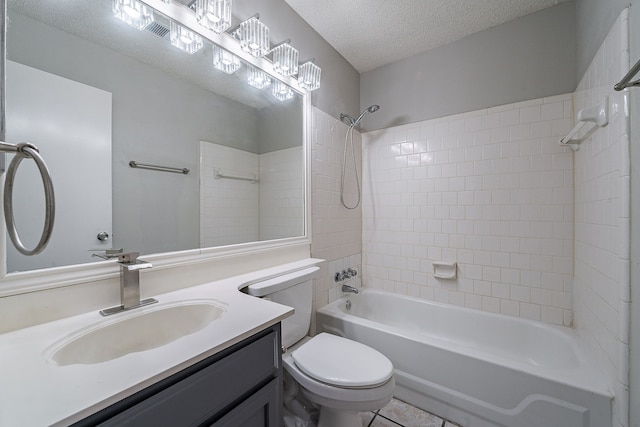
508 371
281 194
229 208
237 211
602 225
491 190
337 232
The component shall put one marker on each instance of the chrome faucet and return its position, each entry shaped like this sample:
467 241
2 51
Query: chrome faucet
130 267
349 289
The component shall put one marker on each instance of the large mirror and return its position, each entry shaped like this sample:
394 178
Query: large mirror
95 94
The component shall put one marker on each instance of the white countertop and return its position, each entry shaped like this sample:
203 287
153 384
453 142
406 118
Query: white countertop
34 391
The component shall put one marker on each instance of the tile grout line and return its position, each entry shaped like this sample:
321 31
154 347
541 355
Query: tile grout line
390 420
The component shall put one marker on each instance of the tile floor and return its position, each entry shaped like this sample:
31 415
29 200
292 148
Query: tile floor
398 413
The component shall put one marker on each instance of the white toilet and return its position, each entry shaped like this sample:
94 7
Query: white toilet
340 376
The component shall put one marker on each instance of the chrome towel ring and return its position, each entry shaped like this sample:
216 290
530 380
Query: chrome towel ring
25 150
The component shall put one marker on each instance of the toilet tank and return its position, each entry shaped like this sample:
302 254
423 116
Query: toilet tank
294 290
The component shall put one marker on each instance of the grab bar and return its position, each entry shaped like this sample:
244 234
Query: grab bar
135 164
626 80
219 174
23 151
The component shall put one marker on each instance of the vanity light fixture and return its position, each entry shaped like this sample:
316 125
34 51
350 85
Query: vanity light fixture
281 91
285 59
309 76
214 14
133 13
225 61
185 39
253 36
257 78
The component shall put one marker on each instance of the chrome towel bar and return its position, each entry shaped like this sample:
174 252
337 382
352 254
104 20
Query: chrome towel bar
626 80
135 164
220 174
23 151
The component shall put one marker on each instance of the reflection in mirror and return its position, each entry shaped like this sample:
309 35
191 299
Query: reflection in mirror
94 94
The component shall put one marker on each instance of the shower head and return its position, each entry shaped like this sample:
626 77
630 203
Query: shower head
354 122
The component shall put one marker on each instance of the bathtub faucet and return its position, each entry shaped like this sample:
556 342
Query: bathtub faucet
349 289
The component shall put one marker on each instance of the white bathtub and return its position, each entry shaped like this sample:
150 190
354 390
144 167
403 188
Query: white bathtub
475 368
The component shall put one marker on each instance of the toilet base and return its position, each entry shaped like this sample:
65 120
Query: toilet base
330 417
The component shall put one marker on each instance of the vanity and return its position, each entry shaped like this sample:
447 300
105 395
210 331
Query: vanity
241 385
215 361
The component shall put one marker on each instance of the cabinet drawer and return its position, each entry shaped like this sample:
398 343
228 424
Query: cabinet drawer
209 391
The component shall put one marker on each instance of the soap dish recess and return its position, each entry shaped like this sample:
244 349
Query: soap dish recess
445 270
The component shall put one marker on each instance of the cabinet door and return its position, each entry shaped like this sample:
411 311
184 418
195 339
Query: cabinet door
262 409
213 390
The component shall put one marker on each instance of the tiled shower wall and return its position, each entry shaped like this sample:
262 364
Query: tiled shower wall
237 211
491 190
281 194
228 208
336 231
602 193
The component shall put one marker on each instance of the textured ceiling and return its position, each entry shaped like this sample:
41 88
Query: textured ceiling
372 33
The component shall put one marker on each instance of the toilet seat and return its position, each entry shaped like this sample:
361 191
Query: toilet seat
341 362
359 399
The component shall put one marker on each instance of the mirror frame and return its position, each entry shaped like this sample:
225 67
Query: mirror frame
49 278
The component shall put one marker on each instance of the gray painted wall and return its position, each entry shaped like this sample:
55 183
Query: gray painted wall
526 58
594 20
280 125
340 87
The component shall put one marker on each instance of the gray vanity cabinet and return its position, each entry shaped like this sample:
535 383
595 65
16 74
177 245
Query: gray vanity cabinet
240 386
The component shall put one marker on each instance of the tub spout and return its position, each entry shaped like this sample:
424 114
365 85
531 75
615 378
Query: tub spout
349 289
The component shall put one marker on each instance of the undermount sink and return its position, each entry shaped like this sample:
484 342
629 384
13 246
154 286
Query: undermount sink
148 329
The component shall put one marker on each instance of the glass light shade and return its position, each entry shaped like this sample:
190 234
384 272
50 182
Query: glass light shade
133 13
309 76
214 14
257 78
285 60
225 61
185 39
254 37
282 91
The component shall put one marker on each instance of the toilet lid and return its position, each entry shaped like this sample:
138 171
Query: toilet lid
341 362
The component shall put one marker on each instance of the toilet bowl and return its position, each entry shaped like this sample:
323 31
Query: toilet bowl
342 376
339 376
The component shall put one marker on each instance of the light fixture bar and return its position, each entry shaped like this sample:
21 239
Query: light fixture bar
178 12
